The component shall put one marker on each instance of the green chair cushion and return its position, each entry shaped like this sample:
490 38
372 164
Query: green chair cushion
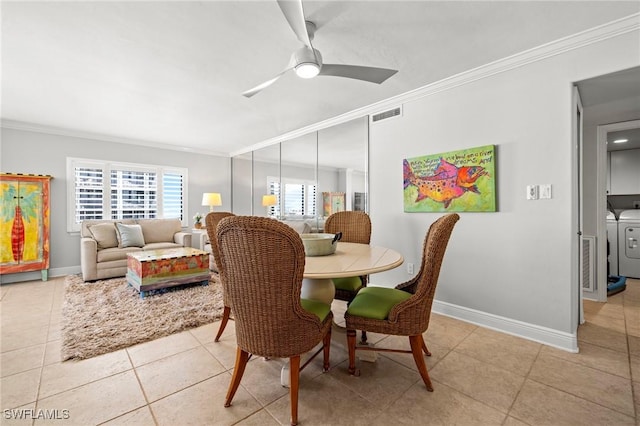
321 310
347 283
376 302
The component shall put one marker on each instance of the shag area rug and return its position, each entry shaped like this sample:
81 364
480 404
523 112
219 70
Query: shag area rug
107 315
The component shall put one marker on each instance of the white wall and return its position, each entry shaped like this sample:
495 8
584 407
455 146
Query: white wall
511 269
40 153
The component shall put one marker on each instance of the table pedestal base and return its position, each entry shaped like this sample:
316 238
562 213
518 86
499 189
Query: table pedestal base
321 290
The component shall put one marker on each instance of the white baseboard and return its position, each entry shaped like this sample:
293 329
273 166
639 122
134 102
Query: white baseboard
557 339
37 275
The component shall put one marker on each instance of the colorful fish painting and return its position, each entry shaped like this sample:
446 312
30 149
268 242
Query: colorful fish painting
449 181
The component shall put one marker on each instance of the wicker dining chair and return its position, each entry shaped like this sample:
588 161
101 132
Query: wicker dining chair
356 228
211 221
404 310
262 264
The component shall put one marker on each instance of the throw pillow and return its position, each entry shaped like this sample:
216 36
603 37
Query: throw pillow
130 235
104 234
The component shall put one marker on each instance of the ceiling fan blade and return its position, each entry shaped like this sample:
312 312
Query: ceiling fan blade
371 74
294 13
249 93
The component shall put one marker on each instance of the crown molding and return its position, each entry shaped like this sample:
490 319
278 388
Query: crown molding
575 41
51 130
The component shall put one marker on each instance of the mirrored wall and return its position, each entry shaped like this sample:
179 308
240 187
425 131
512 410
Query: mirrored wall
304 180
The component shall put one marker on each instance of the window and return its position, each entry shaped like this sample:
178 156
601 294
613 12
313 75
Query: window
299 197
103 190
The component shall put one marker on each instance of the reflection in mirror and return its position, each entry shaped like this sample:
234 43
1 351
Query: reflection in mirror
311 176
342 167
241 184
266 175
297 195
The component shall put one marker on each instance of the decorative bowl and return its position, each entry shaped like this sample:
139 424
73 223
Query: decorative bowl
320 244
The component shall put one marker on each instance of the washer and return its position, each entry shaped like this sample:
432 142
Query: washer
629 243
612 241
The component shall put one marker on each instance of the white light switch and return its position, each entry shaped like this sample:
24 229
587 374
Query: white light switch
532 192
545 191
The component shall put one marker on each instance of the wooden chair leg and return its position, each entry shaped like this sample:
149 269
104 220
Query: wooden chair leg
351 344
326 343
294 386
363 339
223 323
241 362
424 347
416 349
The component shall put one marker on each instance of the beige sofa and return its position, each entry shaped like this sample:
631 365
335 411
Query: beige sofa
104 244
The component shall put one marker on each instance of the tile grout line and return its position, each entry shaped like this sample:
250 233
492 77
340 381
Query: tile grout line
44 354
526 377
144 394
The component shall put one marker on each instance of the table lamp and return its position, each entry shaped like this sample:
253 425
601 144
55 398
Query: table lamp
269 200
211 199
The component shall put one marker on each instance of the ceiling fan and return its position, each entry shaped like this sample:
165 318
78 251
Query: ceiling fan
307 61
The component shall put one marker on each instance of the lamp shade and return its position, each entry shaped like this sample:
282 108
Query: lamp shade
211 199
269 200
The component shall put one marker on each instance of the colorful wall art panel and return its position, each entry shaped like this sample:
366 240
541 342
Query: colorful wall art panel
457 181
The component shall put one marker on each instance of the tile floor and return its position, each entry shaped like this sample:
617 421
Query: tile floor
480 376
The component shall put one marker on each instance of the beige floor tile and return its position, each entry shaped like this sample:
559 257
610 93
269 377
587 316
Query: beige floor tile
11 340
491 385
326 401
30 317
55 333
379 382
20 416
447 332
634 345
538 404
98 401
207 333
338 354
597 357
203 404
21 360
261 418
224 351
53 352
501 350
602 336
443 406
19 389
585 382
176 372
614 324
634 362
162 347
593 309
402 342
261 379
19 319
67 375
140 417
512 421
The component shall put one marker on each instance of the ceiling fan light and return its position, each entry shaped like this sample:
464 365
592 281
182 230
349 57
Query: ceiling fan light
307 70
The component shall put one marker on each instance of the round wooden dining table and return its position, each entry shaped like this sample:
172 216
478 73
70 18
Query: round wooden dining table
349 260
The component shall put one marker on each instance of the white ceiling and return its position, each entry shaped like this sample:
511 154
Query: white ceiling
172 73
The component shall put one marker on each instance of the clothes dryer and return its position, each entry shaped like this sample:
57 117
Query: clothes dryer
612 243
629 243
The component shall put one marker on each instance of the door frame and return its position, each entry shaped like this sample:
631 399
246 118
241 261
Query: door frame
577 124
